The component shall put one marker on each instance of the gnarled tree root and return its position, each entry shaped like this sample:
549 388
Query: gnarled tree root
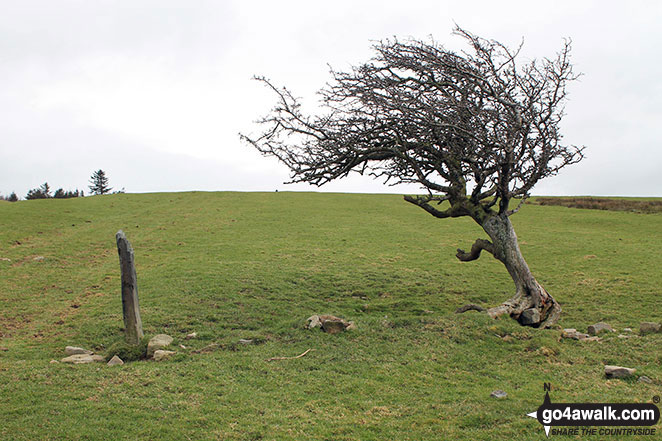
470 307
548 313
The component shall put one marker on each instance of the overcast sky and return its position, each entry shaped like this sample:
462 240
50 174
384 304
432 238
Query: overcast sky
155 92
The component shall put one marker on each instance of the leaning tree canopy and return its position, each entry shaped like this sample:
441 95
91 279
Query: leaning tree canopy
472 126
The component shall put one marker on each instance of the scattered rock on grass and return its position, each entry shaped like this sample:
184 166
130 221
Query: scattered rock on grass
73 350
649 327
191 335
574 334
329 323
209 348
245 341
82 359
160 354
38 258
498 394
313 322
115 361
157 342
599 327
645 379
618 371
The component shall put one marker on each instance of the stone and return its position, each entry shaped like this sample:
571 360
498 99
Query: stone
572 333
53 362
78 359
191 335
498 394
530 316
351 326
98 358
115 361
209 348
38 258
599 327
329 323
162 355
157 342
627 330
245 341
333 326
618 371
645 379
313 322
5 259
649 328
73 350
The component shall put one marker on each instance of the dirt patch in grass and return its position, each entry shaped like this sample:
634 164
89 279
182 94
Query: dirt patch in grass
633 205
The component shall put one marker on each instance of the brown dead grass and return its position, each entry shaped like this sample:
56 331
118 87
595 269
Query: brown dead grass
632 205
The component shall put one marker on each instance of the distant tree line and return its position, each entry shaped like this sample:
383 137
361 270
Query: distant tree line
98 181
44 192
11 198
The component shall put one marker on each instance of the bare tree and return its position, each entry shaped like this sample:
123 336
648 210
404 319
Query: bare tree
476 129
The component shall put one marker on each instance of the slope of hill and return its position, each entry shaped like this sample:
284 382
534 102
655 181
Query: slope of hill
232 266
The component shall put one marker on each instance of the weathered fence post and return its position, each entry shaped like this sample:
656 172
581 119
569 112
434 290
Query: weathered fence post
132 324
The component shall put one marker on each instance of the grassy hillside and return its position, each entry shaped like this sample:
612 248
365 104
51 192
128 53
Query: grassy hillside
256 265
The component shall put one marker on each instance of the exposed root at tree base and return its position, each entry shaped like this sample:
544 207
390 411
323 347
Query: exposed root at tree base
470 307
544 316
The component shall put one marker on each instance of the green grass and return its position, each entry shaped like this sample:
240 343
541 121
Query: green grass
256 265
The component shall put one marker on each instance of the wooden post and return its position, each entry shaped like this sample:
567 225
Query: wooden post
133 326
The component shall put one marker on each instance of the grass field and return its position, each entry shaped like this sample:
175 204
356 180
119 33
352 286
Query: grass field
256 265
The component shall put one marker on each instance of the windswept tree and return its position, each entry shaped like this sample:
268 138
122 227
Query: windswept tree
476 129
99 183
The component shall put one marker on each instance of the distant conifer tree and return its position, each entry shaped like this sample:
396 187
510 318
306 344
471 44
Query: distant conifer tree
43 192
99 183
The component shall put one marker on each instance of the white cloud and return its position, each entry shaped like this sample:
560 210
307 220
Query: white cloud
170 81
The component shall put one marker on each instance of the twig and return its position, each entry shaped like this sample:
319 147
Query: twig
289 358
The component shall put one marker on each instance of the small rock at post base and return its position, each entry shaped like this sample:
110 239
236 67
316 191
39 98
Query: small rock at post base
82 358
157 342
162 355
645 379
618 371
599 327
73 350
115 361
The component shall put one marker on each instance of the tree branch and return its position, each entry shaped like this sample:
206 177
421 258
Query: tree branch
422 201
476 248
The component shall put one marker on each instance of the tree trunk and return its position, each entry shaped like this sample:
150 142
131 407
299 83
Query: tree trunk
531 305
